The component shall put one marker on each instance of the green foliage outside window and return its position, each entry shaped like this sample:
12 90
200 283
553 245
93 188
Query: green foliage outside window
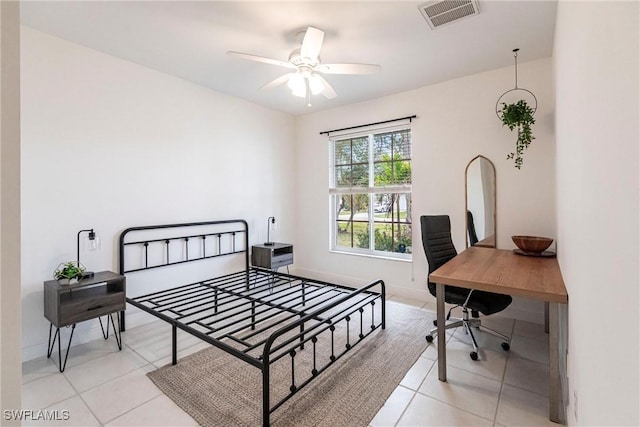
369 164
384 240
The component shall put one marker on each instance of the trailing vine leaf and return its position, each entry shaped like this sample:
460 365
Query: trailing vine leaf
519 116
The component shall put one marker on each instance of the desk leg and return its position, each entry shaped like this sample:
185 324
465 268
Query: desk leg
442 333
546 317
555 390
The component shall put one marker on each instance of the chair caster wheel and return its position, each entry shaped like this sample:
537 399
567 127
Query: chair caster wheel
435 323
429 338
473 355
506 346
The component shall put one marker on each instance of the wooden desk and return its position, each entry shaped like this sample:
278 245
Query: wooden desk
504 272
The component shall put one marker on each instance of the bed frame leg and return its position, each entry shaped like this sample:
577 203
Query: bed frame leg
384 304
253 315
265 395
174 344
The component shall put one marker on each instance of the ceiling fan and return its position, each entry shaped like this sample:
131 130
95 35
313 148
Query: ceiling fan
306 79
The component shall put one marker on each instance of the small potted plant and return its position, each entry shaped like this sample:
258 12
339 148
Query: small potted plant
520 116
68 273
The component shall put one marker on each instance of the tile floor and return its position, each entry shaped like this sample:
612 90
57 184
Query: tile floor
500 389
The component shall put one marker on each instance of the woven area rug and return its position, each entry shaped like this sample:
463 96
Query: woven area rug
217 389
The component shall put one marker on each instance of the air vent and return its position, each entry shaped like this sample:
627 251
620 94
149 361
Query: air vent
439 13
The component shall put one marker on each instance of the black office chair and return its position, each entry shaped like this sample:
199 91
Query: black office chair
471 229
439 248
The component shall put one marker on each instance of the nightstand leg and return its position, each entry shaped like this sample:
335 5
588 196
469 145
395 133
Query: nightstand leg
116 330
105 335
50 345
58 337
289 274
117 334
273 280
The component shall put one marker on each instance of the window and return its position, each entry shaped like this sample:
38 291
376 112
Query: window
370 193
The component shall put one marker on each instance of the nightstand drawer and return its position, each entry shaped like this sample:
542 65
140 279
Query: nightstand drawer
74 311
281 260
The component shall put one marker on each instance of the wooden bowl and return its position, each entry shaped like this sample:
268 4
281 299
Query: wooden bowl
532 244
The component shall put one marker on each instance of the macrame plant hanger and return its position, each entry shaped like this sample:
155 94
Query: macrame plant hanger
517 91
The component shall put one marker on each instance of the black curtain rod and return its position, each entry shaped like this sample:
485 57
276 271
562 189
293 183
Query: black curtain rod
370 124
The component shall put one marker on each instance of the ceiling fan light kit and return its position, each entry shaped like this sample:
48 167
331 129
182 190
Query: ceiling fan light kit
306 80
298 84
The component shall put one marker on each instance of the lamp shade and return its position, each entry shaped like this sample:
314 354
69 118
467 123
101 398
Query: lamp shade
297 85
91 243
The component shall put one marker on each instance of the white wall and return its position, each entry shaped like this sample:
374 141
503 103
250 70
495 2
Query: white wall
596 76
108 144
456 121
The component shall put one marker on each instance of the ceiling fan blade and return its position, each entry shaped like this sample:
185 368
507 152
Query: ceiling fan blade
348 68
257 58
328 91
280 80
312 43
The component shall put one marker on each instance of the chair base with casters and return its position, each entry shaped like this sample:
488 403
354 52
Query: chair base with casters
467 323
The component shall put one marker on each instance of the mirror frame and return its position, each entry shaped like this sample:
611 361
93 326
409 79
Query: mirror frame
495 204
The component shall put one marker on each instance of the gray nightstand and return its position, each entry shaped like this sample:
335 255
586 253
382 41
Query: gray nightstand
272 256
65 305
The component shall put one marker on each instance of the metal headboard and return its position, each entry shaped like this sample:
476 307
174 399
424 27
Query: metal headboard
215 249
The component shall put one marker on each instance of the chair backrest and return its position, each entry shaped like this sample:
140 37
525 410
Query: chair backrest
471 228
436 240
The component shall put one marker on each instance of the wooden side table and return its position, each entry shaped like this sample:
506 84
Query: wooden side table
65 305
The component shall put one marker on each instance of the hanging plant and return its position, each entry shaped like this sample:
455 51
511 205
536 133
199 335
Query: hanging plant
519 116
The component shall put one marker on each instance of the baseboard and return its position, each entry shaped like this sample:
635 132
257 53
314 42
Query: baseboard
418 294
326 277
421 295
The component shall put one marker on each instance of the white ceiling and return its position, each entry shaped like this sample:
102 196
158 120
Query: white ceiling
190 40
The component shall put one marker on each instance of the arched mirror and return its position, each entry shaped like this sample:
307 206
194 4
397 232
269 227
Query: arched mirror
480 202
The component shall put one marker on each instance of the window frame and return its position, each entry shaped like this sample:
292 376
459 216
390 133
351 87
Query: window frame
372 191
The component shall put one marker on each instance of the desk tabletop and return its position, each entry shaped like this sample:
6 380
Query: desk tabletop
503 271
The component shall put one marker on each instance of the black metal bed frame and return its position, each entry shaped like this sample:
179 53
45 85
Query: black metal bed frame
258 315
